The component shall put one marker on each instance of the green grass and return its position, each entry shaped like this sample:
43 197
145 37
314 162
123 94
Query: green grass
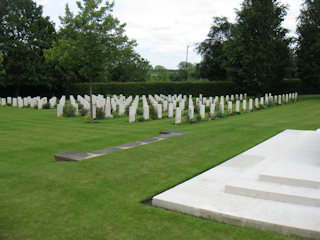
100 198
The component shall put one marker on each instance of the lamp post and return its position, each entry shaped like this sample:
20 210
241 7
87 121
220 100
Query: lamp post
187 63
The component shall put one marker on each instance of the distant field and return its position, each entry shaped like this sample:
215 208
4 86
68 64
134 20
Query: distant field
100 198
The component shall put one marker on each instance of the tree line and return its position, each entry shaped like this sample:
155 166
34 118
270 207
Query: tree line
254 52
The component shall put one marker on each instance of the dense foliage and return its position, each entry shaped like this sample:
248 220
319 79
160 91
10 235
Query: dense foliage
308 52
254 52
93 46
211 50
24 34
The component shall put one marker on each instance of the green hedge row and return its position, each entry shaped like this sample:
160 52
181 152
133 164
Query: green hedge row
215 88
145 88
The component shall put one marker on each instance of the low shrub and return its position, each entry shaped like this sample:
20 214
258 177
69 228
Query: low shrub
100 113
69 110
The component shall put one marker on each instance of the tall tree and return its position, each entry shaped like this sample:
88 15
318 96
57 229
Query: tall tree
24 34
2 71
258 53
211 50
93 47
308 52
160 73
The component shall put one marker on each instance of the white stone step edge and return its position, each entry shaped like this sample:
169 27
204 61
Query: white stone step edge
274 192
290 181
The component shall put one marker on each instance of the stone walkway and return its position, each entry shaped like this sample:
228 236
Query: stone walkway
79 156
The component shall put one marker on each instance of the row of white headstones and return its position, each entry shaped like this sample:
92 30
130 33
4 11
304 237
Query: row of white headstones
20 102
161 103
174 105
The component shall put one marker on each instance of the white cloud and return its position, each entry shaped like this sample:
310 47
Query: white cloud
163 29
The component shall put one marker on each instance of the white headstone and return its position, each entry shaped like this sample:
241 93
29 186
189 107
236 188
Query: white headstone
190 113
121 109
178 116
256 103
212 109
159 111
250 104
14 102
222 109
3 102
146 111
107 108
244 105
40 104
59 110
237 106
132 114
230 107
202 111
170 110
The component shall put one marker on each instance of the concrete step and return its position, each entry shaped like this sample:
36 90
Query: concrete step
274 192
294 181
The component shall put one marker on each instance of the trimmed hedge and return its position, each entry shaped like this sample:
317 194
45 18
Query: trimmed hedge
145 88
215 88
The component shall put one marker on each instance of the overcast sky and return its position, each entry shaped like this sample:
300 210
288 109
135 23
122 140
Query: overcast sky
164 28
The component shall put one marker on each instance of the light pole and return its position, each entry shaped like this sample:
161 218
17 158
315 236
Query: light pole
187 63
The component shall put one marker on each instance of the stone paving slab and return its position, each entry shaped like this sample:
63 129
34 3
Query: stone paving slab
78 156
172 131
107 150
71 156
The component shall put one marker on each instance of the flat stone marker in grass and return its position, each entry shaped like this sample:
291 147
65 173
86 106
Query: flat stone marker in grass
75 156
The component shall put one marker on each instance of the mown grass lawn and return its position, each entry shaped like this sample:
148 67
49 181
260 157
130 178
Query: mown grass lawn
100 198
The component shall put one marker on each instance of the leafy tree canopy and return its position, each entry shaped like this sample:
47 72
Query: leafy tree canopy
93 47
211 50
258 53
24 33
308 51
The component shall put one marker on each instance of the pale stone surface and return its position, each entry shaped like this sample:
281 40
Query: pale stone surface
191 113
250 104
59 110
132 114
14 102
40 104
121 109
107 108
3 101
244 105
273 186
237 106
159 111
178 116
202 111
212 109
146 112
222 109
230 108
256 103
170 110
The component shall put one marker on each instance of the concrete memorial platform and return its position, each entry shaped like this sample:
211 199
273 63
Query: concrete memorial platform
274 186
